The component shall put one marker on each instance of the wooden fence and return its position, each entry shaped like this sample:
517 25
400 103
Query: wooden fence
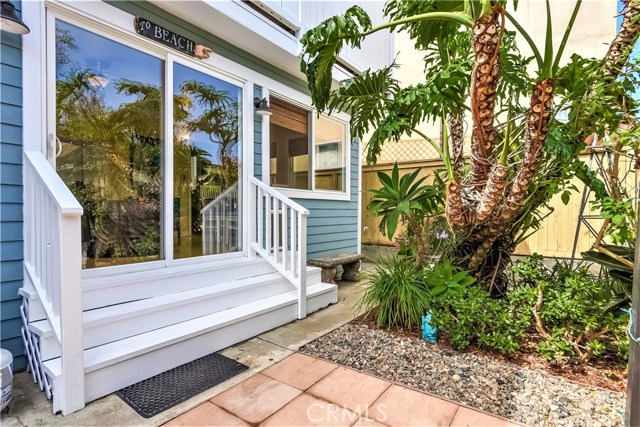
554 239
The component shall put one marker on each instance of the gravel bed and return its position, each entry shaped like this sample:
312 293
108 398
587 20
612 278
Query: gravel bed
524 395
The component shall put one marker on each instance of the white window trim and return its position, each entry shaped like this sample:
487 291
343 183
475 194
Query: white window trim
312 194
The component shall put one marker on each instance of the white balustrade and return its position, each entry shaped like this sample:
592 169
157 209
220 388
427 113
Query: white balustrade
279 234
220 223
53 266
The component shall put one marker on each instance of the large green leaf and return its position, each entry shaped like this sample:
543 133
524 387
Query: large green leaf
365 98
323 44
623 251
606 261
425 33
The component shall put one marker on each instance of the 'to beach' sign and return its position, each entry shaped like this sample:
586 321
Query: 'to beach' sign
168 38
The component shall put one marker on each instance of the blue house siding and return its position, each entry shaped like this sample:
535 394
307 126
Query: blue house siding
332 226
11 246
257 137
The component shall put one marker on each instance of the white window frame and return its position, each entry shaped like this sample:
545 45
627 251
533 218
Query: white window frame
314 193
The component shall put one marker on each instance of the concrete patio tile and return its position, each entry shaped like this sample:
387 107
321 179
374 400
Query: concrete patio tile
466 417
368 422
206 414
299 370
255 399
306 410
399 406
350 389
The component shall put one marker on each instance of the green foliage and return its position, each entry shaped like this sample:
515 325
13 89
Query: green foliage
445 279
400 196
365 97
473 316
425 33
323 45
621 214
621 274
573 316
397 290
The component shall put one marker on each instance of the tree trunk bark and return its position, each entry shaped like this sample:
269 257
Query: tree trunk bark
536 133
487 33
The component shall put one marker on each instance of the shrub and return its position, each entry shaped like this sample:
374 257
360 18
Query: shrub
398 291
472 315
468 314
570 311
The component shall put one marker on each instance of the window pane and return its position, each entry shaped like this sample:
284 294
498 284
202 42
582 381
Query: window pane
108 123
289 149
329 145
205 164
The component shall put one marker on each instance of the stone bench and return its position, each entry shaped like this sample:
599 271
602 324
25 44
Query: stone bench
350 264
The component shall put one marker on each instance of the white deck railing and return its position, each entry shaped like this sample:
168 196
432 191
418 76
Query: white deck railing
279 234
53 266
220 223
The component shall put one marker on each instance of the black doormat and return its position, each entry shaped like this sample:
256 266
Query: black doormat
157 394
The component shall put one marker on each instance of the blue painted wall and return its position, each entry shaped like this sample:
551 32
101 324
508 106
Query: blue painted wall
257 137
332 226
11 194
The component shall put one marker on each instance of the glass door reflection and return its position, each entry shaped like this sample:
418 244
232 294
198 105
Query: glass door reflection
206 164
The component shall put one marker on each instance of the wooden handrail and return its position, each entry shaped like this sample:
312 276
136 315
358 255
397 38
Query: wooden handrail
53 267
60 193
278 195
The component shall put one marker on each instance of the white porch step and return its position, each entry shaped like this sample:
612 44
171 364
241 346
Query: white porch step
113 366
112 323
110 289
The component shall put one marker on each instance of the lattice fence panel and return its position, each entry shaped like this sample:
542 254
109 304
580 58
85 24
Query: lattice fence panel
406 151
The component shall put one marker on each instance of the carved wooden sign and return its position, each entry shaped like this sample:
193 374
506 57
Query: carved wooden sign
168 38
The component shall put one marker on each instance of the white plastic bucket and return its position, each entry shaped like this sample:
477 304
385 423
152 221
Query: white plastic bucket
6 377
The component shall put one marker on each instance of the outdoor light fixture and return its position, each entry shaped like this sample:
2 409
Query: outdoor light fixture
262 106
9 21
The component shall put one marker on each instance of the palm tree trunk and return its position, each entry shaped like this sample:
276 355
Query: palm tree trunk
487 33
622 45
493 192
454 211
538 119
455 123
454 206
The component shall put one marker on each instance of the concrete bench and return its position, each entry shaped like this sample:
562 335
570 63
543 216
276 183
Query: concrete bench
350 264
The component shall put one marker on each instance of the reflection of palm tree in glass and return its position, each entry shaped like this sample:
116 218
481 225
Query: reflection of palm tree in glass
219 121
111 161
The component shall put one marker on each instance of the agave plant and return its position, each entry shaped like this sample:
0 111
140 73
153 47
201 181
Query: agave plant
405 199
521 155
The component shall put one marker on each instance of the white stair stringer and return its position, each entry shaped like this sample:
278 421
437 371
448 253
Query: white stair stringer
112 323
115 365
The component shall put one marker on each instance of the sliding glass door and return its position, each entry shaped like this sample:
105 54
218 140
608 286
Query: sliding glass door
120 147
206 148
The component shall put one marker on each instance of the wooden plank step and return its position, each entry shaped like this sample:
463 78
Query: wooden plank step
108 324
